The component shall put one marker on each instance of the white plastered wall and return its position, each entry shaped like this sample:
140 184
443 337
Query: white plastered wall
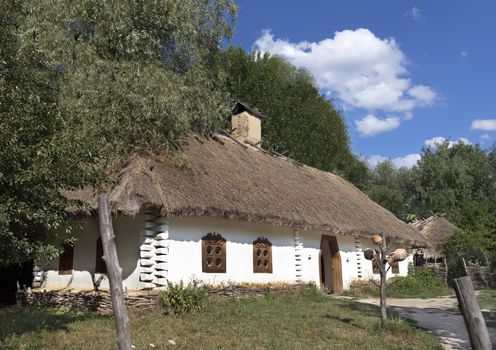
185 251
127 232
184 254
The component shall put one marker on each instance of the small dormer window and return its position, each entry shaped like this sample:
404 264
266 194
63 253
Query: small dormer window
262 256
213 253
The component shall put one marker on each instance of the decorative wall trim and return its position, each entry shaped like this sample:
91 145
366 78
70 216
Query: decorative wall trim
298 251
154 251
359 257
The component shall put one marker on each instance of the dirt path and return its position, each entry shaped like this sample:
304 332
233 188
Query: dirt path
438 315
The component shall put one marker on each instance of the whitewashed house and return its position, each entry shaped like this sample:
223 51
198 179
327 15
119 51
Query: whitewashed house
231 212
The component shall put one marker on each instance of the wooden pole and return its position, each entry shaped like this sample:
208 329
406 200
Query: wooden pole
469 307
114 272
382 267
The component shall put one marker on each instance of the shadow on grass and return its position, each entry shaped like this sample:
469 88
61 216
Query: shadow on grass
15 321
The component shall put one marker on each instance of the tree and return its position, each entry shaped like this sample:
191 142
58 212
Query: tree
84 84
448 178
390 188
299 120
137 74
38 157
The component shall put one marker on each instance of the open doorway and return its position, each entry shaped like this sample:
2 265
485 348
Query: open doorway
10 277
330 265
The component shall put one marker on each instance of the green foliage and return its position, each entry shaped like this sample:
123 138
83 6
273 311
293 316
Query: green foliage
136 75
298 119
417 284
448 178
38 155
389 187
423 279
456 180
179 299
85 83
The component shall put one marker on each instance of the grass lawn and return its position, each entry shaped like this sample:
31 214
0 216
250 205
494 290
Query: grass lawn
311 321
487 301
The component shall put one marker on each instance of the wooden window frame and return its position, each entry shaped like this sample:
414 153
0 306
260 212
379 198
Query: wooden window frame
262 263
376 270
66 260
213 253
395 267
100 266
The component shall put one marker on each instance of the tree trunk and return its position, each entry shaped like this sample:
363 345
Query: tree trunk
382 265
114 272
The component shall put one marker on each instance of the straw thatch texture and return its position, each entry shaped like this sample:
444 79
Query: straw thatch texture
223 178
435 230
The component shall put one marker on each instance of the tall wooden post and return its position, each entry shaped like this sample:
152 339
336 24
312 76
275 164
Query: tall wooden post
114 272
469 307
382 268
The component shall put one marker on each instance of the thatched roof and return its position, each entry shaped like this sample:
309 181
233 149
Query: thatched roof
224 178
435 230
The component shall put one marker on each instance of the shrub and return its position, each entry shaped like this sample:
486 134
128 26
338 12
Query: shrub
179 299
421 283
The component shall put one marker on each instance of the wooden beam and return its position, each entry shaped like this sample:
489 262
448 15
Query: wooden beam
114 272
469 307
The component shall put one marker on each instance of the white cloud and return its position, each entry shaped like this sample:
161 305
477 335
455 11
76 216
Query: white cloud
485 137
464 54
439 140
376 159
407 161
371 125
423 94
414 14
362 70
484 124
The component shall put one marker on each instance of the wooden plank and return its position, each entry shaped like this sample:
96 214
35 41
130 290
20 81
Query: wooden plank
474 321
114 273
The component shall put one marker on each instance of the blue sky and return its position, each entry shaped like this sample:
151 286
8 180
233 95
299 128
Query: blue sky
405 73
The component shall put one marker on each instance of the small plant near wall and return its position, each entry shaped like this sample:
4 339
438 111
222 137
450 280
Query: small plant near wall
181 299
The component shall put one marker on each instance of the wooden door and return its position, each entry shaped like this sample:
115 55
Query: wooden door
336 272
332 279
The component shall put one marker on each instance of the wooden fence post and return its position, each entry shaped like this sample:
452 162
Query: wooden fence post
469 307
114 272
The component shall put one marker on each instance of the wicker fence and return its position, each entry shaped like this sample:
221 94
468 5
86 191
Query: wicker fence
101 302
481 276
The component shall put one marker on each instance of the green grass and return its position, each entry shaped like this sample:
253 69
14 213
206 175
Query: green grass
311 321
487 301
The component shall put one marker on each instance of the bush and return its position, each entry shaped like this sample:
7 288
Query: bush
179 299
420 283
417 284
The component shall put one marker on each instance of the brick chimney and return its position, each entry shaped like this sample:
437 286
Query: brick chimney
247 123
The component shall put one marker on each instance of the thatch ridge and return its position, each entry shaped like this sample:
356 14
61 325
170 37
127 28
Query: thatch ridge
435 230
223 179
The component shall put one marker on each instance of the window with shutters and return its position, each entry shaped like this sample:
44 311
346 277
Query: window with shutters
100 266
262 256
66 259
395 267
213 253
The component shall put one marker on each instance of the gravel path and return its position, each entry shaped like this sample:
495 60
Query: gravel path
438 315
